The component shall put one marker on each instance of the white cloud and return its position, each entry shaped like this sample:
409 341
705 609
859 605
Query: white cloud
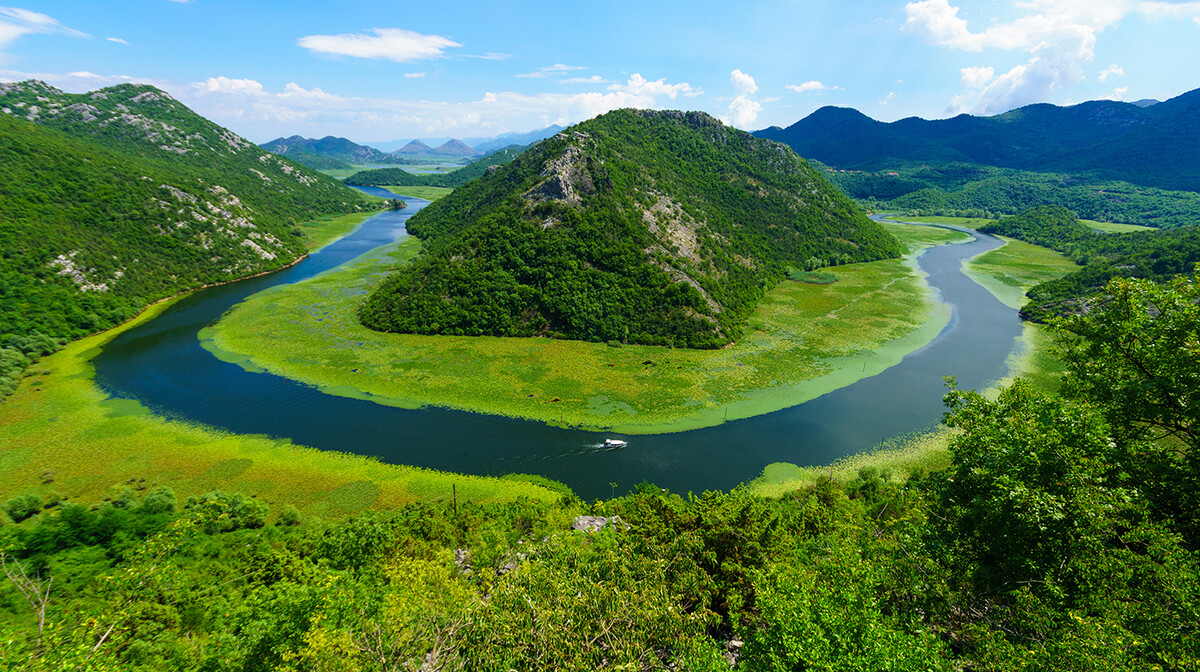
551 71
594 79
116 39
16 22
743 109
414 75
393 44
78 82
743 84
253 110
976 78
1059 36
888 98
813 85
1113 70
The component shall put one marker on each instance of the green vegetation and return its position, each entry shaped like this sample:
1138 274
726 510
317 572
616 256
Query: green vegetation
1061 534
803 341
638 227
427 193
388 177
330 153
325 230
118 198
60 431
981 192
1096 141
1158 255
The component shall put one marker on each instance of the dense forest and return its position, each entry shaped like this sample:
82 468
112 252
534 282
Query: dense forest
971 190
646 227
1156 255
119 197
1063 536
398 177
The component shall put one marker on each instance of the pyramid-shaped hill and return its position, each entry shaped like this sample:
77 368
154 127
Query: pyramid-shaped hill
414 147
637 226
454 148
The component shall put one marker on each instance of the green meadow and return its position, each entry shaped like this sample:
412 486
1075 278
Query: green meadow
976 222
427 193
803 340
61 436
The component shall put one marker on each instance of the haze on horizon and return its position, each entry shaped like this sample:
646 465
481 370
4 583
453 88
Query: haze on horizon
474 69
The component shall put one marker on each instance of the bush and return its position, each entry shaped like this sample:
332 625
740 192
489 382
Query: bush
22 506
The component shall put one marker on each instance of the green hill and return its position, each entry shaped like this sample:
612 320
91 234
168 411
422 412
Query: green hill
119 197
1155 255
638 226
329 152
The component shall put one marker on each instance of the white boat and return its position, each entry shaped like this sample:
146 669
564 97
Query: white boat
613 444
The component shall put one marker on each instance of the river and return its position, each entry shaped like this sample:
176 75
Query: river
162 365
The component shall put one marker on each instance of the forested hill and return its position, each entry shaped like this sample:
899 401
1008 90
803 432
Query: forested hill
1149 146
1155 255
329 152
637 226
116 198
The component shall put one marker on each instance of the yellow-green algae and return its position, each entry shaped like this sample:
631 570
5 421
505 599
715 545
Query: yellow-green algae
60 433
1007 272
803 341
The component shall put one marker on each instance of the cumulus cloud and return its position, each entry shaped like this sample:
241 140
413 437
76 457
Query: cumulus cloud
976 78
256 111
16 22
1119 93
1059 36
1113 70
556 70
393 44
743 109
743 84
813 85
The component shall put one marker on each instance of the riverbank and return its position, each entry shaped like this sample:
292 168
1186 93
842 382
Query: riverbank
803 341
60 434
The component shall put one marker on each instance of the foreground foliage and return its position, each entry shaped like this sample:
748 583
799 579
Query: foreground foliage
1156 255
1056 539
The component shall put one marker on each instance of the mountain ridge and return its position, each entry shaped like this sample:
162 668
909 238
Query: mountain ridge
638 226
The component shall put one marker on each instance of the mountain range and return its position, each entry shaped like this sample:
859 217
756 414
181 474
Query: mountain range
1145 143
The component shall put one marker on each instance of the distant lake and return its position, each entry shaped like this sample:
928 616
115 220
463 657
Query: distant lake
162 365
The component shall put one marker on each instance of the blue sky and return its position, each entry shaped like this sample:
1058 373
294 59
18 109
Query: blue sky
378 71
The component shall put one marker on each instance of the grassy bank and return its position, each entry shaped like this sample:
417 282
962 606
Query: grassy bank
321 232
976 222
427 193
804 340
60 434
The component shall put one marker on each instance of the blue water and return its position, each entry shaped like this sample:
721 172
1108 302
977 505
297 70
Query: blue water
162 365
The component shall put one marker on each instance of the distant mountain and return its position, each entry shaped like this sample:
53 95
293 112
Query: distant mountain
1151 145
416 147
115 198
483 145
398 177
636 226
455 148
486 145
328 152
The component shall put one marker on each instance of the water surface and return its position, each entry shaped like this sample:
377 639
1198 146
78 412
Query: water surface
162 365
